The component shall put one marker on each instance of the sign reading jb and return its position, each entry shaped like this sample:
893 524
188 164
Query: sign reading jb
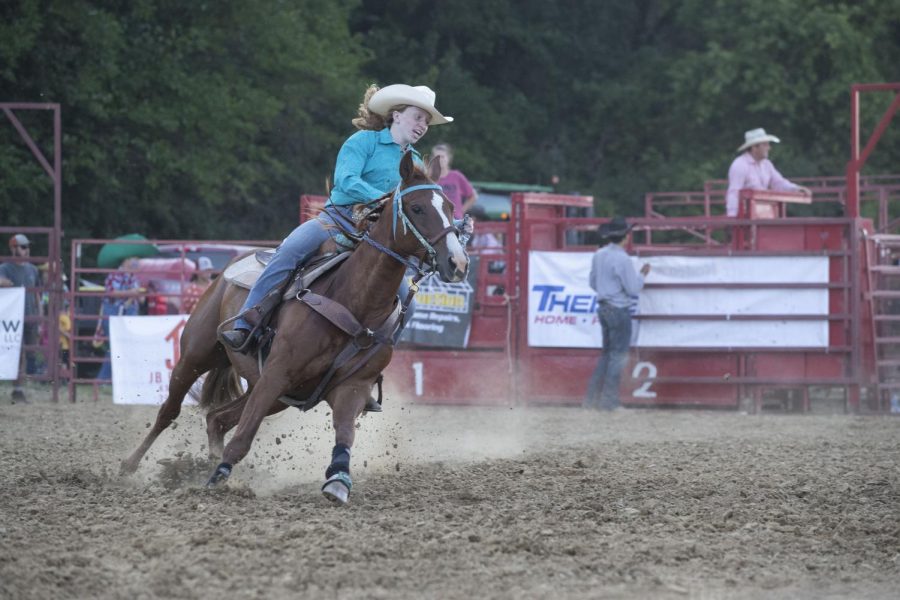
144 351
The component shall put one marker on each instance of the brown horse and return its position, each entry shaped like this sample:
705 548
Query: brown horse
415 222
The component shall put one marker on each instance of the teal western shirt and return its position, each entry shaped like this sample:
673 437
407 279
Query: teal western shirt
368 167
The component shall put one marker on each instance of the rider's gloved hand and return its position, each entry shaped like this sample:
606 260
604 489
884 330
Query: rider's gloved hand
468 225
465 227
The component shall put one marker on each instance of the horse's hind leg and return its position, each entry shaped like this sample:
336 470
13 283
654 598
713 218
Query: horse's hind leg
220 421
199 353
184 375
224 419
168 412
262 401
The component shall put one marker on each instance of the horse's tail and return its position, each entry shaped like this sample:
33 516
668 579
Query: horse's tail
221 386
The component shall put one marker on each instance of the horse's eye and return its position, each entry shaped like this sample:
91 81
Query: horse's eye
416 209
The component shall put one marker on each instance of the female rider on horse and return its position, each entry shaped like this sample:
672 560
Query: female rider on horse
390 120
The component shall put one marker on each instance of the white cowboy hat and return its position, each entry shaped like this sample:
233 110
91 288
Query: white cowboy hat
757 136
400 94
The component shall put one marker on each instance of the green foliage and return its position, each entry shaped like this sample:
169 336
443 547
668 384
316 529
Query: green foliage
203 120
185 120
623 98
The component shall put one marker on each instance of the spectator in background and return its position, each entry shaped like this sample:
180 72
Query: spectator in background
155 301
199 282
753 170
486 242
456 186
20 273
65 336
616 283
121 298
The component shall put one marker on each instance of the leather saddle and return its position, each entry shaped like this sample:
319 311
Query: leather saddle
246 271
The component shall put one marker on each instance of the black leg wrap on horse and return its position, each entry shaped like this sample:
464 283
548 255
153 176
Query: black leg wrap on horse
222 472
340 460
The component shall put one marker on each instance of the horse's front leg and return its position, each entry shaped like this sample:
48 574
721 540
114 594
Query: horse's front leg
347 403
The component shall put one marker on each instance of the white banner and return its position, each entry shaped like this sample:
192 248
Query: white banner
12 326
144 350
562 310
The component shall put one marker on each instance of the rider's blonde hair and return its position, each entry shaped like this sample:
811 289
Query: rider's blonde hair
372 121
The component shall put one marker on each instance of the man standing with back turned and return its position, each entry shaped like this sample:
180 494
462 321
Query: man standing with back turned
617 284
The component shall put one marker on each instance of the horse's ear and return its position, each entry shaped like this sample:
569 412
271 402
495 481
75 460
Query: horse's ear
407 167
434 168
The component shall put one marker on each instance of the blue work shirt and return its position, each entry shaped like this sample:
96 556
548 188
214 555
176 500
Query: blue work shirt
368 167
613 276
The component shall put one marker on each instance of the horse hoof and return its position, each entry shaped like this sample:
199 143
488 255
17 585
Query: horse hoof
222 473
127 468
337 492
337 488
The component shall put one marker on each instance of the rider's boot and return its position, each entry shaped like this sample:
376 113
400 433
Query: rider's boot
236 339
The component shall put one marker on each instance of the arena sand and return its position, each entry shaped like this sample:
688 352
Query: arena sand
455 502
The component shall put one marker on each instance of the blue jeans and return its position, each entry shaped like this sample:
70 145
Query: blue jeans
296 249
603 388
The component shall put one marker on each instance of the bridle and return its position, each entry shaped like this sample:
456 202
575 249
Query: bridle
400 215
398 210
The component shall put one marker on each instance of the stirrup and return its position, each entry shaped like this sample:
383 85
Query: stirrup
244 347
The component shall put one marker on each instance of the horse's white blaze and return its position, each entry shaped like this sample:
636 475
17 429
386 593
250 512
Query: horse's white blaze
456 250
437 201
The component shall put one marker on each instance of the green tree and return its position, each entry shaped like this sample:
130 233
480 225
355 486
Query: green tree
181 119
208 120
624 98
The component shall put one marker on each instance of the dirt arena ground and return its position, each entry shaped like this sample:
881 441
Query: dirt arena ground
455 503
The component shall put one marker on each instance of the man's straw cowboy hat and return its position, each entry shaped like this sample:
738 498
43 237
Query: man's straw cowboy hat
757 136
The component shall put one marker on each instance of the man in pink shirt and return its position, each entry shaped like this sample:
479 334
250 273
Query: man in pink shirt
456 186
753 170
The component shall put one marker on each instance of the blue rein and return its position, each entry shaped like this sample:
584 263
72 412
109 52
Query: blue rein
406 261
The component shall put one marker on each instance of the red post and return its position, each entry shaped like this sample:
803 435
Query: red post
55 239
858 158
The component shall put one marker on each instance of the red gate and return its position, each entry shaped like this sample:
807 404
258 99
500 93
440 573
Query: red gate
499 366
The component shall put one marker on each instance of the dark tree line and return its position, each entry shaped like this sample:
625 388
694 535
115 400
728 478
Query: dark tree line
208 119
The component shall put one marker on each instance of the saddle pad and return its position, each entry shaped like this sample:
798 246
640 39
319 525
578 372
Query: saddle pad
244 272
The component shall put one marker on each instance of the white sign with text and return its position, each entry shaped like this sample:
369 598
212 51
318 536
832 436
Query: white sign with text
12 325
143 351
562 307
